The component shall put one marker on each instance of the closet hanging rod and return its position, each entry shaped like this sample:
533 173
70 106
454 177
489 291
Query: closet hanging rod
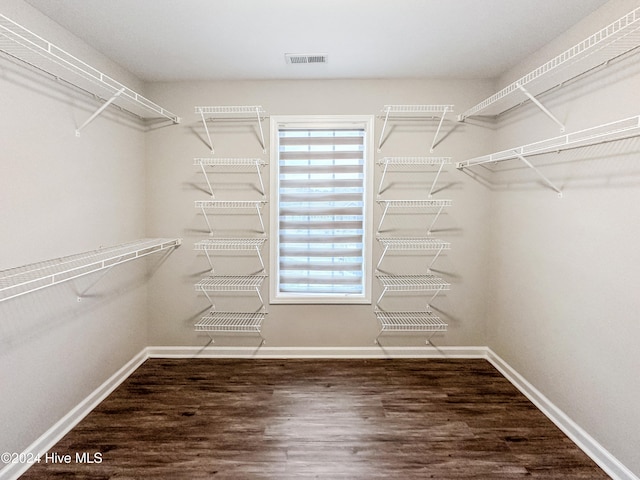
29 278
31 49
618 130
616 39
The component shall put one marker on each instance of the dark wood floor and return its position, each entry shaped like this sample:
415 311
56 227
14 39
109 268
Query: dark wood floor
328 419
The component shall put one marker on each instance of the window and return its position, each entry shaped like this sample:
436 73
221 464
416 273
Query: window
321 209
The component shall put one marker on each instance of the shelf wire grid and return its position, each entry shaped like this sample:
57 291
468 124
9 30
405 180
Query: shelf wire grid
416 109
229 162
410 322
21 280
230 283
412 283
414 161
233 110
230 322
616 39
229 203
229 244
416 203
413 243
27 47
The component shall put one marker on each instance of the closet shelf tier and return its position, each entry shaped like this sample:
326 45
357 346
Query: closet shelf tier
616 39
18 281
231 110
618 130
416 203
413 243
430 110
229 203
230 244
231 322
412 283
229 162
410 322
26 46
230 283
414 161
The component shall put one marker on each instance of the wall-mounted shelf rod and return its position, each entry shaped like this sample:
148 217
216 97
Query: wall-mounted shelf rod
425 111
613 41
30 278
31 49
618 130
232 112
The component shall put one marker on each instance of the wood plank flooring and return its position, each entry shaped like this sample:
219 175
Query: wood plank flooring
317 419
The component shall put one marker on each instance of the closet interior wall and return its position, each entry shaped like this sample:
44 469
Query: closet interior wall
62 195
174 185
563 306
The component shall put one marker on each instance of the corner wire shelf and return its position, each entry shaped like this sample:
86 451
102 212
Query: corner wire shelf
231 244
438 205
232 112
608 132
412 283
410 322
407 111
230 204
231 283
412 244
609 43
256 163
387 162
30 278
24 45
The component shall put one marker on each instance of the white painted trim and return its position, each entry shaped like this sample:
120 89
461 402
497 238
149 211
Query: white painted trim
317 352
611 465
63 426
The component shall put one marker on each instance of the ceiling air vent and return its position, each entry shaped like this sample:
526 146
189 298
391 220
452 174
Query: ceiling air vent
298 58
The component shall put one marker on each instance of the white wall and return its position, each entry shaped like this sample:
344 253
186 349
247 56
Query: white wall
174 184
564 303
61 195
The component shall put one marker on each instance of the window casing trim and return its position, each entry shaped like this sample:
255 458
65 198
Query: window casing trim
277 123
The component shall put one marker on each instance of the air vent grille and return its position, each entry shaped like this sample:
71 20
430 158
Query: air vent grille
302 58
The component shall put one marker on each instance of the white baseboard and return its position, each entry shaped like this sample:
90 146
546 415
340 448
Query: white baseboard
588 444
317 352
63 426
611 465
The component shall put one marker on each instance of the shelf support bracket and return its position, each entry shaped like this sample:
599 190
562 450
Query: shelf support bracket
544 109
206 129
435 258
546 180
384 126
206 218
206 177
384 173
384 214
435 137
384 252
264 147
435 180
435 219
99 111
262 190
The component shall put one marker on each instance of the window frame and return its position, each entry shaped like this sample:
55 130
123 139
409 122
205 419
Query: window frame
279 122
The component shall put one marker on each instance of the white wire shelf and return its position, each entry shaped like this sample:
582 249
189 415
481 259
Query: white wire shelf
413 243
618 130
232 112
410 322
413 283
21 280
229 204
616 39
229 162
255 163
230 244
407 162
229 322
409 111
26 46
230 283
436 205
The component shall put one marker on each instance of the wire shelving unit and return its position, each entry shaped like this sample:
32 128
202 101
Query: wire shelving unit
411 111
234 163
412 162
435 205
231 283
232 112
421 322
205 205
413 244
618 38
412 283
231 244
30 278
31 49
608 132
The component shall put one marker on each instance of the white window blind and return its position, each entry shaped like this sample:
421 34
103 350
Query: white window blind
322 213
